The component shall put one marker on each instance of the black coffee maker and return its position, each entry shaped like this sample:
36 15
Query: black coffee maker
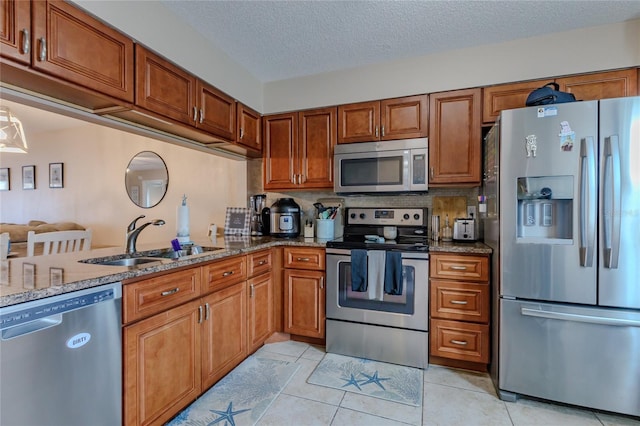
257 204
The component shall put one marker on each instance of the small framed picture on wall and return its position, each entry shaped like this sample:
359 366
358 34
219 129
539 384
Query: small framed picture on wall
5 179
28 177
55 175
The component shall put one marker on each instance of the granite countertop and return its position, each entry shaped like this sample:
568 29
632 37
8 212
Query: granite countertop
29 278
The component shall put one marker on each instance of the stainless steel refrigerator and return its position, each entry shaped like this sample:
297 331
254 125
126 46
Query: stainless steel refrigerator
562 188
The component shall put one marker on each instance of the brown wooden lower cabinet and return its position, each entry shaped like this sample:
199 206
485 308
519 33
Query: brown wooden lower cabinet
260 314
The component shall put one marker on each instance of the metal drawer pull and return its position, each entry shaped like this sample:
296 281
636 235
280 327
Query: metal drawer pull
226 274
170 292
459 268
303 259
262 262
26 43
458 302
200 314
251 291
458 342
207 311
43 49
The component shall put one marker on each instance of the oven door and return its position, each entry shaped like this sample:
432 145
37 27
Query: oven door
410 310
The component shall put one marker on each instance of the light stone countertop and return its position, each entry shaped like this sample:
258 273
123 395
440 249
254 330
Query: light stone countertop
30 278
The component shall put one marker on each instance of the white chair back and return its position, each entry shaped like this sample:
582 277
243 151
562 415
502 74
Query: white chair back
4 245
59 241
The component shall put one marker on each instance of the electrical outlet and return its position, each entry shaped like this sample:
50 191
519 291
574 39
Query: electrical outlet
471 212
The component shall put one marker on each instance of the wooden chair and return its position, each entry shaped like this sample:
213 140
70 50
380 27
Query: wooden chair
59 241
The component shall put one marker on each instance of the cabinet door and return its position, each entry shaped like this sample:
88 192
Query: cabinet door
74 46
224 338
455 145
216 112
304 300
316 141
248 128
506 96
589 87
260 318
404 118
164 88
161 365
359 122
15 30
280 144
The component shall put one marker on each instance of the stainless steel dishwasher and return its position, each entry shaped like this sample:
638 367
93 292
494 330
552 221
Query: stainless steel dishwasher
61 359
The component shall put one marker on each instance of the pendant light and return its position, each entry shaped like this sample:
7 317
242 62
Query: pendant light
12 137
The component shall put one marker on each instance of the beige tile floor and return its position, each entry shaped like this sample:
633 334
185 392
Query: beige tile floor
450 397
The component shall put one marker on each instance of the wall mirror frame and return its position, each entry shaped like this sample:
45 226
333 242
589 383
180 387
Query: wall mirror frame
146 179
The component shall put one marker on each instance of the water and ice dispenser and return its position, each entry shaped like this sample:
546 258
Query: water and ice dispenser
545 209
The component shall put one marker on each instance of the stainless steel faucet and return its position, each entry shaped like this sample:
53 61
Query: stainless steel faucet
133 232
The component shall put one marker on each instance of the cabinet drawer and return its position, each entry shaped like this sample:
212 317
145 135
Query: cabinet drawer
218 275
473 268
459 340
460 301
144 298
258 263
304 258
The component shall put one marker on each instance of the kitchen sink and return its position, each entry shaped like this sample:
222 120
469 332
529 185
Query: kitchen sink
140 258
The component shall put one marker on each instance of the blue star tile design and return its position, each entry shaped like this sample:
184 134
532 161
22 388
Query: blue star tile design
351 381
227 415
374 379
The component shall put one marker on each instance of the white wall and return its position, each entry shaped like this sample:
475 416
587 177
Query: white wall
571 52
152 25
95 159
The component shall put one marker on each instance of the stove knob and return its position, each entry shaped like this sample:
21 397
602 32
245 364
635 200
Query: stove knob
416 216
406 216
352 215
362 215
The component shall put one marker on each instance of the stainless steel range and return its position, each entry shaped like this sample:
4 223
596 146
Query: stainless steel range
377 287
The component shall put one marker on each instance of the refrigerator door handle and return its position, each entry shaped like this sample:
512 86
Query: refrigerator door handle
619 322
611 202
587 214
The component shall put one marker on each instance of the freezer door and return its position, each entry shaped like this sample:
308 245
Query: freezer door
574 355
548 202
619 223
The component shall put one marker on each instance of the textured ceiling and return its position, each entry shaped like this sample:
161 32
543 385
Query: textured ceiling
276 40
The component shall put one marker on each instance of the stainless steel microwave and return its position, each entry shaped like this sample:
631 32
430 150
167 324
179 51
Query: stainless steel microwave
385 166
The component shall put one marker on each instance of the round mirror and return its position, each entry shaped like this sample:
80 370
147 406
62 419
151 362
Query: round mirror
146 179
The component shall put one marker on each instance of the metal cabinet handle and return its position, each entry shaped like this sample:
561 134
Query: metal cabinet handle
241 132
303 259
459 268
458 302
321 283
43 49
262 262
376 131
431 172
200 314
170 292
201 116
382 131
207 312
226 274
26 42
458 342
251 291
195 113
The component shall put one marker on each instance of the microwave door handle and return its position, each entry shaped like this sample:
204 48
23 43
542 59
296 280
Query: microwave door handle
611 202
587 191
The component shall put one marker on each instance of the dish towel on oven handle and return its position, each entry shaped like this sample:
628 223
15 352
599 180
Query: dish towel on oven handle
393 273
359 270
375 273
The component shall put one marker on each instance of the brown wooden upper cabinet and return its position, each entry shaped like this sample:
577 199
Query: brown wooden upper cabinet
15 30
248 128
455 145
298 149
168 90
399 118
585 87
